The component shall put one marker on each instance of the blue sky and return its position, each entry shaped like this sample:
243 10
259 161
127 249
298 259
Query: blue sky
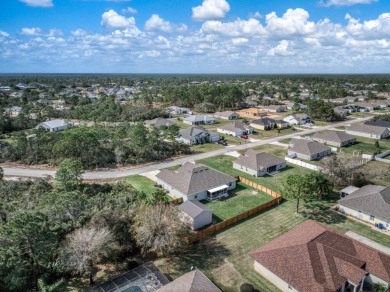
195 36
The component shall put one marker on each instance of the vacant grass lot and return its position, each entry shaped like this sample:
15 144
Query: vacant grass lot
141 183
271 149
224 257
224 163
259 134
377 172
366 145
241 199
207 147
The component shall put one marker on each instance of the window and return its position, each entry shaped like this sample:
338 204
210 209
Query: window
196 196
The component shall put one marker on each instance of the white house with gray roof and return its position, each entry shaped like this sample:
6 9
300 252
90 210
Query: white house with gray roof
297 119
158 123
227 115
236 129
258 163
370 203
199 120
334 138
197 135
196 214
55 125
308 149
196 182
368 131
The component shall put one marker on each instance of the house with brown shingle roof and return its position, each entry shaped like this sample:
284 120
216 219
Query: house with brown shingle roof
314 258
194 281
258 163
334 138
307 149
196 182
370 203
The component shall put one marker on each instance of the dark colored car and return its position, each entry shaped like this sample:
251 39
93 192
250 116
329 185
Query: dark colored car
222 142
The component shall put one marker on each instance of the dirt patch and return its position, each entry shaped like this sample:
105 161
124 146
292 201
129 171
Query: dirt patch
228 275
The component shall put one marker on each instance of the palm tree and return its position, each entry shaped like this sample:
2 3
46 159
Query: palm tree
56 286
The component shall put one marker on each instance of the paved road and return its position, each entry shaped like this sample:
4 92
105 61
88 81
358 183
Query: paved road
110 174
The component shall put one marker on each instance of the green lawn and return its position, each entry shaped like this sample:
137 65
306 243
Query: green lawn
271 149
259 134
207 147
241 199
142 183
224 257
377 172
366 145
224 164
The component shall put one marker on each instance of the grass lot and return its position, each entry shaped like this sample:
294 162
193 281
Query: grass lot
224 163
141 183
271 149
366 145
224 257
259 134
241 199
207 147
377 172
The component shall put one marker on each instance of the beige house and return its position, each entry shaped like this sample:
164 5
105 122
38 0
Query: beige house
235 129
312 257
368 131
227 115
370 204
263 124
334 138
307 149
196 214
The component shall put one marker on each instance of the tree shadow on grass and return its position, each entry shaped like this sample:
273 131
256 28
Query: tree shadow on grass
206 255
317 211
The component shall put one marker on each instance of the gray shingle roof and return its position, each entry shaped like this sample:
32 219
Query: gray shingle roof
192 132
233 127
55 123
368 129
257 160
193 178
225 114
263 121
307 147
199 118
370 199
335 136
158 122
380 123
194 281
193 208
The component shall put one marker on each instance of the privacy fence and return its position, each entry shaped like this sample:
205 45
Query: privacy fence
217 227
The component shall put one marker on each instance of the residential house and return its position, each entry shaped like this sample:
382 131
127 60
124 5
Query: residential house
307 149
366 106
312 257
347 191
13 111
281 124
334 138
340 100
197 135
54 125
176 110
263 124
381 104
236 129
301 106
44 101
251 113
199 120
298 119
379 123
342 111
368 131
194 281
227 115
370 203
196 182
258 163
196 214
158 123
274 108
362 98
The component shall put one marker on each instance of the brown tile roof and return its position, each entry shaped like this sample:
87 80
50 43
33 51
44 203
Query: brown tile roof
257 160
194 281
335 136
193 178
312 257
307 147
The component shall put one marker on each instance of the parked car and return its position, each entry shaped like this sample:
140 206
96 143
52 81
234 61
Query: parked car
222 142
244 137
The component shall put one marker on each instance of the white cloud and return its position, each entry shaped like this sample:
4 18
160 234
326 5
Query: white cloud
239 41
210 9
111 19
256 14
156 23
36 31
281 49
250 27
4 34
130 10
78 32
293 22
38 3
346 2
376 28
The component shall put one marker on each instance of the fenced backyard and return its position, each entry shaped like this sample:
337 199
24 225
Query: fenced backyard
233 220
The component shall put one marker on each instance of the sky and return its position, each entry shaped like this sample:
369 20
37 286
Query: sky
195 36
